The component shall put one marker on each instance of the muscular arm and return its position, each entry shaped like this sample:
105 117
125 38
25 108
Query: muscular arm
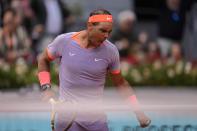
125 90
44 66
121 85
44 62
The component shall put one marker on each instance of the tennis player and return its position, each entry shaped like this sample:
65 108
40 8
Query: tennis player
85 59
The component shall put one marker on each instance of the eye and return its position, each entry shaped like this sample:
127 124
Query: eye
103 31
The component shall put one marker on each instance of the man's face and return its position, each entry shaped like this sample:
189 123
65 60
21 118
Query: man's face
9 21
97 34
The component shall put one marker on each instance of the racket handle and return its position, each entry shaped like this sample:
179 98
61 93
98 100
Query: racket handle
52 102
52 125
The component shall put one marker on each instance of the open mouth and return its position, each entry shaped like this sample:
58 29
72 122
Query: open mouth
102 41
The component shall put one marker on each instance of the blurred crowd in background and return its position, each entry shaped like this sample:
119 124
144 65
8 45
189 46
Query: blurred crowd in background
28 26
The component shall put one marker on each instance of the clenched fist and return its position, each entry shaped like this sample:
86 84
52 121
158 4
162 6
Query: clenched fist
143 119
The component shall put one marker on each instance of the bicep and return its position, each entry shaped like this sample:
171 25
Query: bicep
46 56
44 62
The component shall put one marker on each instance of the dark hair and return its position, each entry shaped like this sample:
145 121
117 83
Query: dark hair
5 11
99 12
13 11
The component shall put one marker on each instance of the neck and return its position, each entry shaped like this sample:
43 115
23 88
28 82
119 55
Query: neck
83 38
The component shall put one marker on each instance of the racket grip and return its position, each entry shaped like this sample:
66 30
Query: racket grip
52 125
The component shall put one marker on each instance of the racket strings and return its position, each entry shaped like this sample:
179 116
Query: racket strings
53 104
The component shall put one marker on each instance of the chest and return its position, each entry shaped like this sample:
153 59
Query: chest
78 60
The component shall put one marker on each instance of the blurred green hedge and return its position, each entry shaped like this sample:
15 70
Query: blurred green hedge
178 74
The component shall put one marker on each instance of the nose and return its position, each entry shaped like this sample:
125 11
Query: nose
106 35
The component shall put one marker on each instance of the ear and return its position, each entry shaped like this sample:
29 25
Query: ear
89 25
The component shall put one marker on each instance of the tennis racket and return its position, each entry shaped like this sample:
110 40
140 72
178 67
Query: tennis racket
53 104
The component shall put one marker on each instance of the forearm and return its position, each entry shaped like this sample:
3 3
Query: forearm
129 96
44 69
124 89
44 76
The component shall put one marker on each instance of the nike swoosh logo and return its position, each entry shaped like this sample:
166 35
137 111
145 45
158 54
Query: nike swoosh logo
96 59
71 54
